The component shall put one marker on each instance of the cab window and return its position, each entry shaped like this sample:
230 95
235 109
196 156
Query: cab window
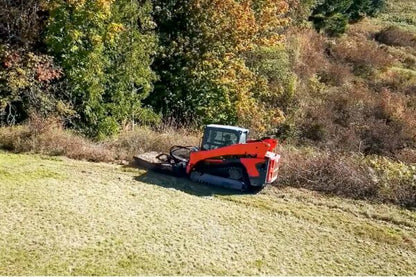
216 138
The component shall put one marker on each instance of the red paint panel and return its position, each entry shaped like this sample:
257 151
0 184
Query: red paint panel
255 149
272 142
250 165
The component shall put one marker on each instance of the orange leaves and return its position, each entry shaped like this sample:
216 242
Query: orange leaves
240 25
30 67
45 72
11 59
209 58
233 28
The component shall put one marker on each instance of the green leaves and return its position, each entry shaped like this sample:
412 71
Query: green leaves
202 61
106 58
30 82
333 16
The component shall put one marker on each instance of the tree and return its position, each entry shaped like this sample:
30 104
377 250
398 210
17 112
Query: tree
105 49
30 82
202 58
21 22
333 16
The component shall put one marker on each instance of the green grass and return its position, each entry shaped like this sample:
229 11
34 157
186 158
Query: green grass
59 216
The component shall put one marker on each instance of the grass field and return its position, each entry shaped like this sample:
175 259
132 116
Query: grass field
59 216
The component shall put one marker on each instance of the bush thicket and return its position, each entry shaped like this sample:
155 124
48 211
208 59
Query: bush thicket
106 58
202 62
395 36
333 16
350 175
344 174
29 82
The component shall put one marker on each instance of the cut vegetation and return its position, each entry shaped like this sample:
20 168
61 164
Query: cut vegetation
59 216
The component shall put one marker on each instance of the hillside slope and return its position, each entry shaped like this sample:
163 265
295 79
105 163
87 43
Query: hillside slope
401 13
59 216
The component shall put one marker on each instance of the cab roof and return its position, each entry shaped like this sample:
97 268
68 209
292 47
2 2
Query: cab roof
227 127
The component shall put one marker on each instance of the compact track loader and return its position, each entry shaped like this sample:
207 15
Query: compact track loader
225 158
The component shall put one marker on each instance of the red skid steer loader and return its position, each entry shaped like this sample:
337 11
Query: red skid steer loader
225 158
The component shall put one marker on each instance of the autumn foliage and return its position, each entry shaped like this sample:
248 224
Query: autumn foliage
104 66
209 77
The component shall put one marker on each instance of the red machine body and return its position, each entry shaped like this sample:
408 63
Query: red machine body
225 158
253 162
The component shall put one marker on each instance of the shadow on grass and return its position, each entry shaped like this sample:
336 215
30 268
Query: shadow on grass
183 184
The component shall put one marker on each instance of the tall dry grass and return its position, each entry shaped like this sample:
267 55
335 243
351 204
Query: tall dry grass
349 175
145 139
47 136
395 36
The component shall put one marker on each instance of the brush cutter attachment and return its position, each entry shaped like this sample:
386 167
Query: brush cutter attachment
173 163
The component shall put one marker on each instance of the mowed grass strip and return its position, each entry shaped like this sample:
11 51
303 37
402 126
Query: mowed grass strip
59 216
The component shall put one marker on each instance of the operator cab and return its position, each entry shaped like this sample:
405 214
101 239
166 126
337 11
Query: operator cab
216 136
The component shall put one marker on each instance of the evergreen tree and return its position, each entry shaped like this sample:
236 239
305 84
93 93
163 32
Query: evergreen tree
333 16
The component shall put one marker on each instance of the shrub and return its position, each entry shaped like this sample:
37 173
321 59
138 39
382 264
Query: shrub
366 112
396 181
349 175
396 36
405 55
30 82
144 139
316 131
364 55
310 56
328 172
406 155
336 74
47 136
355 118
399 80
400 116
276 83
